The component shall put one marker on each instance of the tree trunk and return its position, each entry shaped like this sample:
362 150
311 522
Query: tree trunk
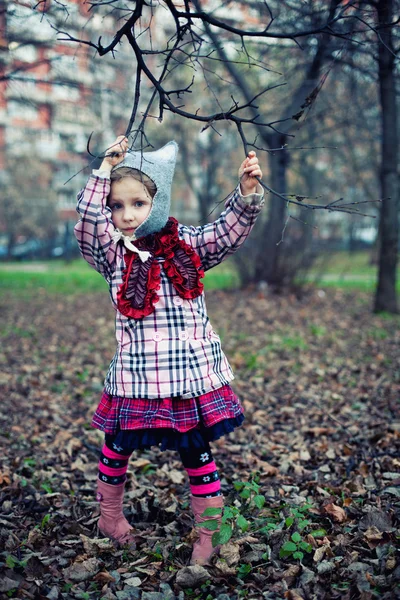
10 244
266 256
267 265
385 298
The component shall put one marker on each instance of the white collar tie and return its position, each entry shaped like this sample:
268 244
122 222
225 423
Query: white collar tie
118 235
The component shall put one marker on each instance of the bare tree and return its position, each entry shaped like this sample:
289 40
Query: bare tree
27 210
199 40
385 299
187 49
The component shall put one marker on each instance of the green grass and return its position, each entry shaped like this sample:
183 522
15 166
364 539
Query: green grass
346 270
343 270
337 263
78 278
348 284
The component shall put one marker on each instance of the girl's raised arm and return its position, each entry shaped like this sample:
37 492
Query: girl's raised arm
95 228
214 242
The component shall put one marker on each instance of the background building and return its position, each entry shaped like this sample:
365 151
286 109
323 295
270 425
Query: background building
54 95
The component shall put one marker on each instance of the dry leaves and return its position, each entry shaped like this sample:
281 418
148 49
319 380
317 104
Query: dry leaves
319 381
336 512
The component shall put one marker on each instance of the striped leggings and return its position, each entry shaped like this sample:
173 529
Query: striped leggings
199 464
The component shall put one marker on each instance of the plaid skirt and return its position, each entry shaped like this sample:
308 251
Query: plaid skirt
171 423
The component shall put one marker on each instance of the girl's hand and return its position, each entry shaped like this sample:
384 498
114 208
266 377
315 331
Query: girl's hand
115 153
248 171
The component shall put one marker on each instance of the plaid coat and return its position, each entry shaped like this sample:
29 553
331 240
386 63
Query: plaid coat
173 351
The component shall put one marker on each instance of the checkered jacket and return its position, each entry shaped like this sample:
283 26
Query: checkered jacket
174 351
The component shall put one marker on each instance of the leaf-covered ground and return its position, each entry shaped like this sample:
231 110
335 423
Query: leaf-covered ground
319 377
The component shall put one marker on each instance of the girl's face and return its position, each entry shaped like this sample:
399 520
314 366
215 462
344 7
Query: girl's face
130 204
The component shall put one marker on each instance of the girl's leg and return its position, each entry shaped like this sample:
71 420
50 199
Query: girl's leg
205 487
202 470
113 465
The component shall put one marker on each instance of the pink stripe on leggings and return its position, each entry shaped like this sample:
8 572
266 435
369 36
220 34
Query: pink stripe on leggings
207 488
110 471
110 454
202 470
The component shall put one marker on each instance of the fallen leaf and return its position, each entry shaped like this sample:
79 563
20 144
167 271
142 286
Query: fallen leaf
95 546
230 552
5 479
82 571
373 536
319 553
291 571
133 582
293 595
139 463
266 468
191 577
176 476
7 584
104 577
336 512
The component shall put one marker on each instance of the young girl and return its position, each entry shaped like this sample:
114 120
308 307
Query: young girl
168 383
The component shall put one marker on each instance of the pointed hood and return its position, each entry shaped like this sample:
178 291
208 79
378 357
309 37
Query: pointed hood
159 166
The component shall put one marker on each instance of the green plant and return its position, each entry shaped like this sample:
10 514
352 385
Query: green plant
243 570
294 343
317 330
14 563
94 586
46 486
297 514
155 554
378 333
295 547
148 469
205 588
342 586
251 515
83 375
57 388
232 517
251 361
45 521
319 533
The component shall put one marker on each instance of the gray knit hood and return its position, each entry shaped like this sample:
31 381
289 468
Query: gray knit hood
159 166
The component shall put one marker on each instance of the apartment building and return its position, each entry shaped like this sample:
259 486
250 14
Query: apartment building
55 93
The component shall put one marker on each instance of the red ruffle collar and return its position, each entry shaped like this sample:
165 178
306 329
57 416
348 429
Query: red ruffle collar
141 280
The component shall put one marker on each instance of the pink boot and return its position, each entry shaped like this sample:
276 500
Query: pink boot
112 522
203 548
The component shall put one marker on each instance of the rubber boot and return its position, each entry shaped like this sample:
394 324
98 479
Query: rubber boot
112 523
203 548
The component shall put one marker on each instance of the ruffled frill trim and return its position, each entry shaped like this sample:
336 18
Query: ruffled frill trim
137 294
151 286
171 439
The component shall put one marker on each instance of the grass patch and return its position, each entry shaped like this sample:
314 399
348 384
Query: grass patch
367 285
357 263
78 278
343 270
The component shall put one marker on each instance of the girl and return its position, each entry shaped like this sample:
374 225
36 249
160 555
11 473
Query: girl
168 383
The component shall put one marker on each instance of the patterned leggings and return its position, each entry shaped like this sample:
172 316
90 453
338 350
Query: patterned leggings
199 464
